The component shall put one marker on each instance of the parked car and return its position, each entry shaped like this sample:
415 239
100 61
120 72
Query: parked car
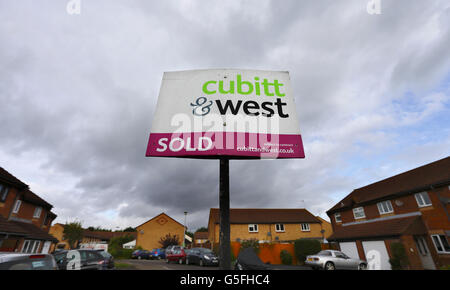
332 260
158 254
141 254
177 254
202 257
249 260
89 260
109 259
23 261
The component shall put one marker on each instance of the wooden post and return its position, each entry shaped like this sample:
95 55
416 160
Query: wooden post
224 203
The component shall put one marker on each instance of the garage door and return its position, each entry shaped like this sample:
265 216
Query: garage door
350 249
376 255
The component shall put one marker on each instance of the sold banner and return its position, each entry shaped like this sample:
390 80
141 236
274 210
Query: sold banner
234 113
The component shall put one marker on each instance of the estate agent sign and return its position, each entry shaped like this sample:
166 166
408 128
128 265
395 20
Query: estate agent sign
232 113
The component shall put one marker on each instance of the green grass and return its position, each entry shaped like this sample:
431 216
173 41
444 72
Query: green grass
120 266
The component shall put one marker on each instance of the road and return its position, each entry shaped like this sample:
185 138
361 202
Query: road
162 265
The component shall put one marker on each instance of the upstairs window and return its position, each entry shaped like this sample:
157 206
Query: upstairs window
37 212
17 206
337 217
423 199
305 228
358 213
3 192
385 207
279 227
253 228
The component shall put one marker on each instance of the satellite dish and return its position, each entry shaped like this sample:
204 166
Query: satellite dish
399 202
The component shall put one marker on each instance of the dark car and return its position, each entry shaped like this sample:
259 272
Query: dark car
202 257
23 261
158 254
80 259
109 259
141 254
249 260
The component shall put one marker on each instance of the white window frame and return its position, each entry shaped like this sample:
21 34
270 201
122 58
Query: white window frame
37 212
421 201
443 251
336 215
31 246
17 206
359 209
279 228
255 228
381 207
305 227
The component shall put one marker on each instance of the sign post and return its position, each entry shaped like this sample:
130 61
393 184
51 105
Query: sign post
225 114
224 209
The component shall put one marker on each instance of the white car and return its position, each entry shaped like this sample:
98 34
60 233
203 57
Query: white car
332 260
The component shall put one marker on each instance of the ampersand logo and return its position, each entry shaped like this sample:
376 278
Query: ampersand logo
200 106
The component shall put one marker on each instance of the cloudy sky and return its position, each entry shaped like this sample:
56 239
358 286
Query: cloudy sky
78 91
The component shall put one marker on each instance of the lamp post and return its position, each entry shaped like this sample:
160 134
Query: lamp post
184 234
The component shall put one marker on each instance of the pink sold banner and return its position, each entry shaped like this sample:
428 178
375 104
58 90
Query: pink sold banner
233 113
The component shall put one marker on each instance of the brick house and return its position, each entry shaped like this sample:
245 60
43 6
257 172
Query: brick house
150 232
269 225
25 218
89 237
411 208
201 240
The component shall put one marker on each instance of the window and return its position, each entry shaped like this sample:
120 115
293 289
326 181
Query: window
358 213
305 227
385 207
30 246
423 199
279 227
17 206
441 243
3 192
337 217
253 228
37 212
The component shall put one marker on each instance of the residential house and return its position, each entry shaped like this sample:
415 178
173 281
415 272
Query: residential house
411 208
152 231
269 225
88 237
201 240
25 218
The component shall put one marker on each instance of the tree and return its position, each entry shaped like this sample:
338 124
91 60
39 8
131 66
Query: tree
129 229
399 260
305 247
73 232
169 240
191 234
202 229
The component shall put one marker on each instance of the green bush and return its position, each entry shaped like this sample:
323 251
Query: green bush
115 247
252 243
286 257
121 253
399 260
446 267
305 247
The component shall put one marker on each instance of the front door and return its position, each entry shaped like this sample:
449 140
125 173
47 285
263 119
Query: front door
46 247
424 253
